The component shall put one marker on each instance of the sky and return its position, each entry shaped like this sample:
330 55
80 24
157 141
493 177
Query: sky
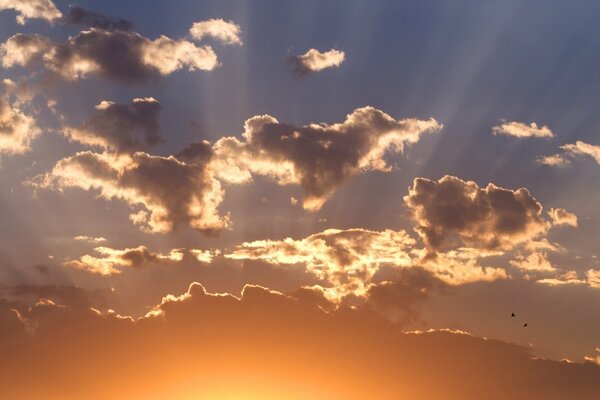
376 194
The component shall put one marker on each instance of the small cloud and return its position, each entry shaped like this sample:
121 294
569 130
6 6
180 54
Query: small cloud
570 151
90 239
554 160
111 261
204 256
560 216
314 61
227 32
30 9
522 130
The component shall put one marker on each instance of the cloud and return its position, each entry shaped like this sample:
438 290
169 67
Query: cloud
207 341
580 148
120 128
17 129
318 157
555 160
591 279
29 9
451 211
227 32
23 50
346 260
112 261
126 56
116 55
204 256
90 239
534 261
594 358
560 216
398 297
521 130
314 61
163 191
570 151
459 266
80 16
71 296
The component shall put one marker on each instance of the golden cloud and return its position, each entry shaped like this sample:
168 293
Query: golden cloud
169 191
29 9
318 157
521 130
112 261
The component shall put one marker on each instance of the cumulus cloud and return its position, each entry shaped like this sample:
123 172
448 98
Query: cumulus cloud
79 16
560 216
261 328
23 50
570 151
120 128
451 211
126 56
227 32
522 130
112 261
117 55
318 157
163 191
30 9
17 129
314 61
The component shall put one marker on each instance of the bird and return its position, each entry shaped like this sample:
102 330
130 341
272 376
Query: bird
525 326
513 315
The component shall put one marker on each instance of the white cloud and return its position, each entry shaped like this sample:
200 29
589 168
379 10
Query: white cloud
522 130
314 61
29 9
227 32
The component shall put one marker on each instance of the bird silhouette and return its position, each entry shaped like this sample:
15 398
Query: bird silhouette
525 326
513 315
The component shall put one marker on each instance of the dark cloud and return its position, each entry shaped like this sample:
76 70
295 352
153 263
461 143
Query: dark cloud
71 296
119 127
199 152
204 345
318 157
400 294
80 16
116 55
169 191
23 50
451 212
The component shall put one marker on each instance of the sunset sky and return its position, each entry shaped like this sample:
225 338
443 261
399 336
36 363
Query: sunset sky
299 199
